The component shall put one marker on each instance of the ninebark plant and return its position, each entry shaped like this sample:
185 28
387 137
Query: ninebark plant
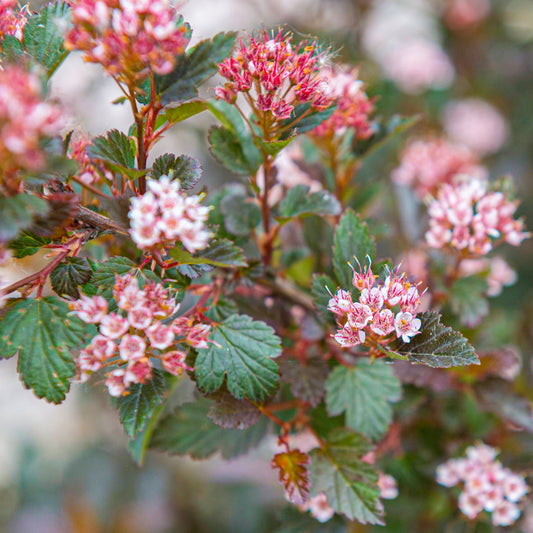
266 293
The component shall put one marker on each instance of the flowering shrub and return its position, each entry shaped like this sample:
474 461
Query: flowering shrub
248 294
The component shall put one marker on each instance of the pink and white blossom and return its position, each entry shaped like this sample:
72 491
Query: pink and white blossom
406 326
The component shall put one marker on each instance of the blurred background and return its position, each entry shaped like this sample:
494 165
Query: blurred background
465 66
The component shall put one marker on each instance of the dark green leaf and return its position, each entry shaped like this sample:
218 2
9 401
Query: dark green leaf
352 240
17 213
67 276
27 244
306 381
364 392
240 215
300 201
43 35
188 431
43 334
242 350
229 413
106 272
115 147
11 49
468 299
436 345
137 407
498 396
349 483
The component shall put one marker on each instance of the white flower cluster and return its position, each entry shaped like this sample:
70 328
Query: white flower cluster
164 215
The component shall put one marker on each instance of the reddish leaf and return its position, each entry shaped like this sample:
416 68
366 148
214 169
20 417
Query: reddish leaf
293 475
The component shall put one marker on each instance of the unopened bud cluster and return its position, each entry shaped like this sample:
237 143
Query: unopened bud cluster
487 485
128 38
164 215
383 310
137 333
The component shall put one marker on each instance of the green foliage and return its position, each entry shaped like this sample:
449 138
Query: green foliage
27 244
225 146
188 431
352 240
348 482
364 392
221 253
43 35
241 351
17 213
293 475
138 406
114 147
272 148
71 273
184 111
436 345
192 69
300 201
307 381
240 215
304 119
186 169
321 295
11 49
106 272
468 299
43 335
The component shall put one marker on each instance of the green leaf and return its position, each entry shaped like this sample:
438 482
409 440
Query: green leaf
295 124
188 431
11 49
115 147
137 407
307 381
229 413
67 276
349 483
43 335
272 148
352 239
225 146
17 213
364 392
241 350
299 201
498 396
184 111
436 345
241 216
43 35
321 296
193 68
221 253
468 299
184 168
106 272
27 244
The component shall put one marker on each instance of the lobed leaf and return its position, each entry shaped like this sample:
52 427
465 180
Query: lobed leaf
300 201
349 483
71 273
43 334
115 147
221 253
240 215
241 351
307 381
364 392
352 239
27 244
293 475
184 168
436 345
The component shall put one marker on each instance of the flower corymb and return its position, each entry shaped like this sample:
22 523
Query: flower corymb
274 76
132 337
383 311
487 485
164 215
128 38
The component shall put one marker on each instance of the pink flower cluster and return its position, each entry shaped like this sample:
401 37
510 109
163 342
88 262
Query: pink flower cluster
487 485
426 164
353 105
25 121
273 76
130 338
12 19
467 216
382 309
127 36
164 215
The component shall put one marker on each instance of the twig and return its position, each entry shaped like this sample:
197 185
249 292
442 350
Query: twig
284 288
100 221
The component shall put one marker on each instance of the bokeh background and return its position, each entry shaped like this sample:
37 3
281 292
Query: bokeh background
65 469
